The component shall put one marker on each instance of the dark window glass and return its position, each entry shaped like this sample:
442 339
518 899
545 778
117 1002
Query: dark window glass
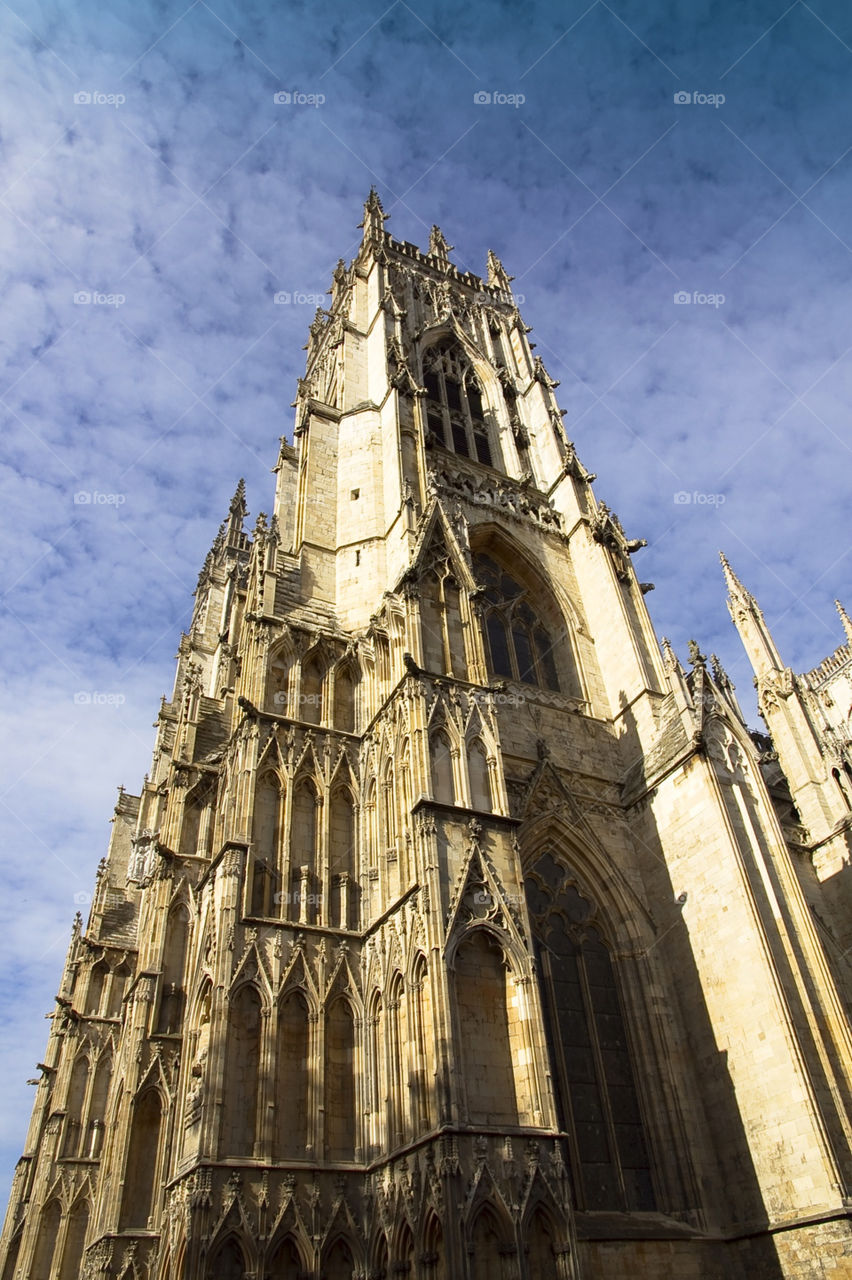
523 653
474 399
546 662
589 1049
453 393
460 439
498 643
483 447
433 386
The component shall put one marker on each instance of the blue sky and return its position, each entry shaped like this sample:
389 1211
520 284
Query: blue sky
185 197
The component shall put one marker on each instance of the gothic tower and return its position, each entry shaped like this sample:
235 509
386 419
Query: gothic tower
456 932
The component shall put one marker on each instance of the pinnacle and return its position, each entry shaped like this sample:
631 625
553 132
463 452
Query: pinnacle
845 619
735 587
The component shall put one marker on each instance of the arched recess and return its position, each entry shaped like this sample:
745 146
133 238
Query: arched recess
96 1116
441 761
493 1028
422 1039
72 1135
142 1170
479 776
75 1241
432 1258
487 1245
338 1262
242 1067
173 988
381 1258
340 1082
196 834
227 1262
305 886
286 1262
404 1252
117 986
345 712
376 1022
97 981
398 1042
343 890
293 1060
278 682
541 1242
591 1059
310 707
528 636
266 844
48 1234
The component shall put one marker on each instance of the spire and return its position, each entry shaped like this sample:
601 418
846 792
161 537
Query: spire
374 216
845 619
751 624
438 246
736 590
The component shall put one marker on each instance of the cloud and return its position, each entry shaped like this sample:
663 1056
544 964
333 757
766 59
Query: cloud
199 197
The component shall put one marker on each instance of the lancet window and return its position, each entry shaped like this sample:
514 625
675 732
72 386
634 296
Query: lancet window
521 644
455 414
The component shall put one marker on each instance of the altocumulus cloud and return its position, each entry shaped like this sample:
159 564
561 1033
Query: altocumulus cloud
183 209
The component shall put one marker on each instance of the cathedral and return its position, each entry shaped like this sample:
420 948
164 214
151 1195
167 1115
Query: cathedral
459 931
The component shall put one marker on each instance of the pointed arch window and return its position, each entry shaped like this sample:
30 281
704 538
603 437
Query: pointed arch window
455 414
522 645
590 1052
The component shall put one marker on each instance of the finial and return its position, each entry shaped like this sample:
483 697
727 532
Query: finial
669 655
438 246
735 587
845 619
498 277
238 502
696 657
237 511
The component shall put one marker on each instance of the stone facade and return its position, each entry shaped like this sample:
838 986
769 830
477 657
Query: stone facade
458 930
